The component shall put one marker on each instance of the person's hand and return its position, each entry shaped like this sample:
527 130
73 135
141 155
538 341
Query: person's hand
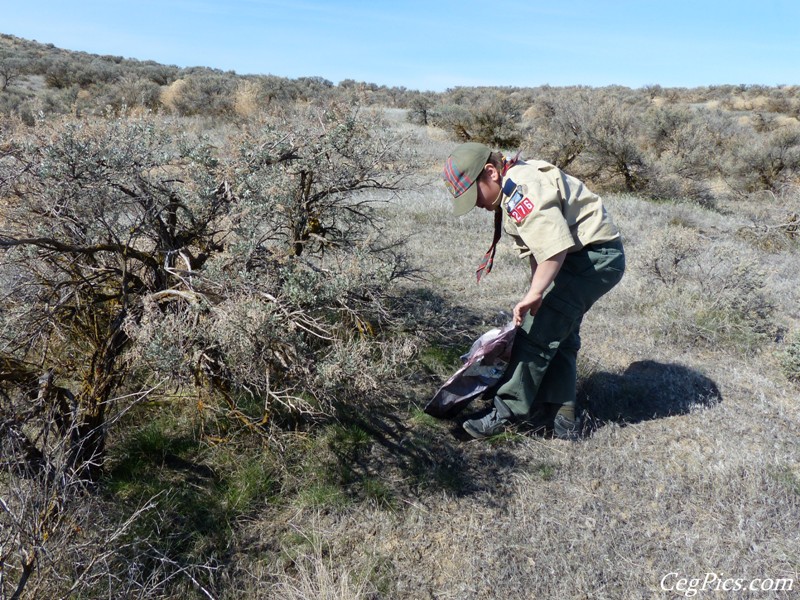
529 304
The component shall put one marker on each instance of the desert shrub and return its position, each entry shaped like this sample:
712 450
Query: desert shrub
687 138
679 146
613 148
98 71
12 69
62 101
495 121
419 110
129 93
620 139
205 93
60 538
735 312
16 102
773 234
314 88
133 257
277 90
553 127
782 100
664 183
767 160
81 69
593 134
156 72
702 297
455 119
60 74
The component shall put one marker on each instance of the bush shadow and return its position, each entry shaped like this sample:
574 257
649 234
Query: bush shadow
645 390
418 458
415 452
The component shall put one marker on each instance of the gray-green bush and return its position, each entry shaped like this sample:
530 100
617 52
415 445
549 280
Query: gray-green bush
135 257
126 241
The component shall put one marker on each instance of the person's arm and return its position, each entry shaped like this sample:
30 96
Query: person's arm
534 264
542 275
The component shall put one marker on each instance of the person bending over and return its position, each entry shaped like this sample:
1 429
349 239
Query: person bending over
576 256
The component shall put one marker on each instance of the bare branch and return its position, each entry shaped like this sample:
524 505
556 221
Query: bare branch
52 244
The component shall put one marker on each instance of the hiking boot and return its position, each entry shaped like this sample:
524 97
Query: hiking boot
565 428
495 422
540 421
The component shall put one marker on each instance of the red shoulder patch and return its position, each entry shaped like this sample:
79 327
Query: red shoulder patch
519 206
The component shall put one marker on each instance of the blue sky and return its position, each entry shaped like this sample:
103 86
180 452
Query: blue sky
435 45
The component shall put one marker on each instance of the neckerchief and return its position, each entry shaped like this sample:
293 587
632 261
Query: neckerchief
488 259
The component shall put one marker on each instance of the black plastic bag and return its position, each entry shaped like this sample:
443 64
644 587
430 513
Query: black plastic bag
483 366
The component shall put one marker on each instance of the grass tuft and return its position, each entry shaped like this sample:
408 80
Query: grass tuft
322 495
790 360
420 418
788 476
545 470
441 360
378 493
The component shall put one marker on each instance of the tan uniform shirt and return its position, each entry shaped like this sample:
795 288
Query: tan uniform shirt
547 211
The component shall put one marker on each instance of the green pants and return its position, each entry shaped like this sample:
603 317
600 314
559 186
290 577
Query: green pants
542 368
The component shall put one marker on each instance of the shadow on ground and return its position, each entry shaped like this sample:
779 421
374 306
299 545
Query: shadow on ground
645 390
427 456
421 454
411 451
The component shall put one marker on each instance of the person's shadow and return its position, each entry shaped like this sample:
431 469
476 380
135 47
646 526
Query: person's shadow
645 390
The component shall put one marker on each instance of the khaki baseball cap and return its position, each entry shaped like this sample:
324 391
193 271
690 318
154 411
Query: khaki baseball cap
461 171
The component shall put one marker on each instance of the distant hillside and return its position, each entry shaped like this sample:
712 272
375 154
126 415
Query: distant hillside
42 78
36 77
696 143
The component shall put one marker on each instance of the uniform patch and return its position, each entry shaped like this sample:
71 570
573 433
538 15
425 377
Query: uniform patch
519 206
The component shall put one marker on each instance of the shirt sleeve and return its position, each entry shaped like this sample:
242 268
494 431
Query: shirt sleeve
541 226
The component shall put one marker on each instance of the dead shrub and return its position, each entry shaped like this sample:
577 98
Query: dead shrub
171 93
245 102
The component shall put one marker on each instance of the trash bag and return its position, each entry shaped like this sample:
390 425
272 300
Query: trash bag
483 366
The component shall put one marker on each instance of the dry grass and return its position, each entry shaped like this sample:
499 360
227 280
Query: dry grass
245 102
693 466
171 93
